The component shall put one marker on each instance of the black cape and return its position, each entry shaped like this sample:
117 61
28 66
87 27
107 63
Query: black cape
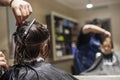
36 71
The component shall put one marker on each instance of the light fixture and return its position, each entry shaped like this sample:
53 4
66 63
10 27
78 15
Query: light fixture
89 5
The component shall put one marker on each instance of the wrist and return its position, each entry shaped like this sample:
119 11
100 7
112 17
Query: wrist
104 32
10 2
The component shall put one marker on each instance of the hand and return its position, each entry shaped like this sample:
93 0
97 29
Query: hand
3 61
21 10
108 34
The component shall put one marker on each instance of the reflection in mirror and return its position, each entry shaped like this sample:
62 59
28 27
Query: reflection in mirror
109 13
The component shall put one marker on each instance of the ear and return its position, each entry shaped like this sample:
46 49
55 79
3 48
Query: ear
43 50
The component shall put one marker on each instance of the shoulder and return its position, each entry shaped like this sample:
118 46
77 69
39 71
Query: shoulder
7 74
53 73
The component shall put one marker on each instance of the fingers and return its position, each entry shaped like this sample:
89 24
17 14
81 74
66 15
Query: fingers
21 9
1 54
30 8
18 16
108 34
3 61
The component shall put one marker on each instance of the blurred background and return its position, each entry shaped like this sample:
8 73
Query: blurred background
74 13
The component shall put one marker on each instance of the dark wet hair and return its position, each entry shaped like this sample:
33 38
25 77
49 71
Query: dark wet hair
27 46
96 21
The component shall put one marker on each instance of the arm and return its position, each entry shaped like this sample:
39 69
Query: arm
95 29
21 9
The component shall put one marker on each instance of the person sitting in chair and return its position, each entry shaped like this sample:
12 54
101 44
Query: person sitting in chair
108 63
31 49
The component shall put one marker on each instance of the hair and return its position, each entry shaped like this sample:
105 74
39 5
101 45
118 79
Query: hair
107 39
96 21
28 47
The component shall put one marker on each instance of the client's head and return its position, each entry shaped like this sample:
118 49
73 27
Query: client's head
31 41
106 46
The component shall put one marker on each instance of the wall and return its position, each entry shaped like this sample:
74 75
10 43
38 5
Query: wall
115 15
3 30
43 7
111 12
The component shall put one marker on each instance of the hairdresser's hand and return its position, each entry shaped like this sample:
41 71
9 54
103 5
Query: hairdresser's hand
21 10
3 61
108 34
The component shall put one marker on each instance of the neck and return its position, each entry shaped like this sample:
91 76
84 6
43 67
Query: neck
108 56
39 59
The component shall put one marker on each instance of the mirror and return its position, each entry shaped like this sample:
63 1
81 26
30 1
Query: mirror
106 10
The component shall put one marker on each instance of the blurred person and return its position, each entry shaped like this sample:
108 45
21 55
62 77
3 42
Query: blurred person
108 63
88 43
31 49
21 9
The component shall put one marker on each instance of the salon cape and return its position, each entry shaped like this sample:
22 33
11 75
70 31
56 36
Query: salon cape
36 71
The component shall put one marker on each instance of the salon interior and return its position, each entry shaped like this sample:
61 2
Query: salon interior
72 14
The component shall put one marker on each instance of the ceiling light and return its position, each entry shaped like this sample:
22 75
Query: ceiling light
89 6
